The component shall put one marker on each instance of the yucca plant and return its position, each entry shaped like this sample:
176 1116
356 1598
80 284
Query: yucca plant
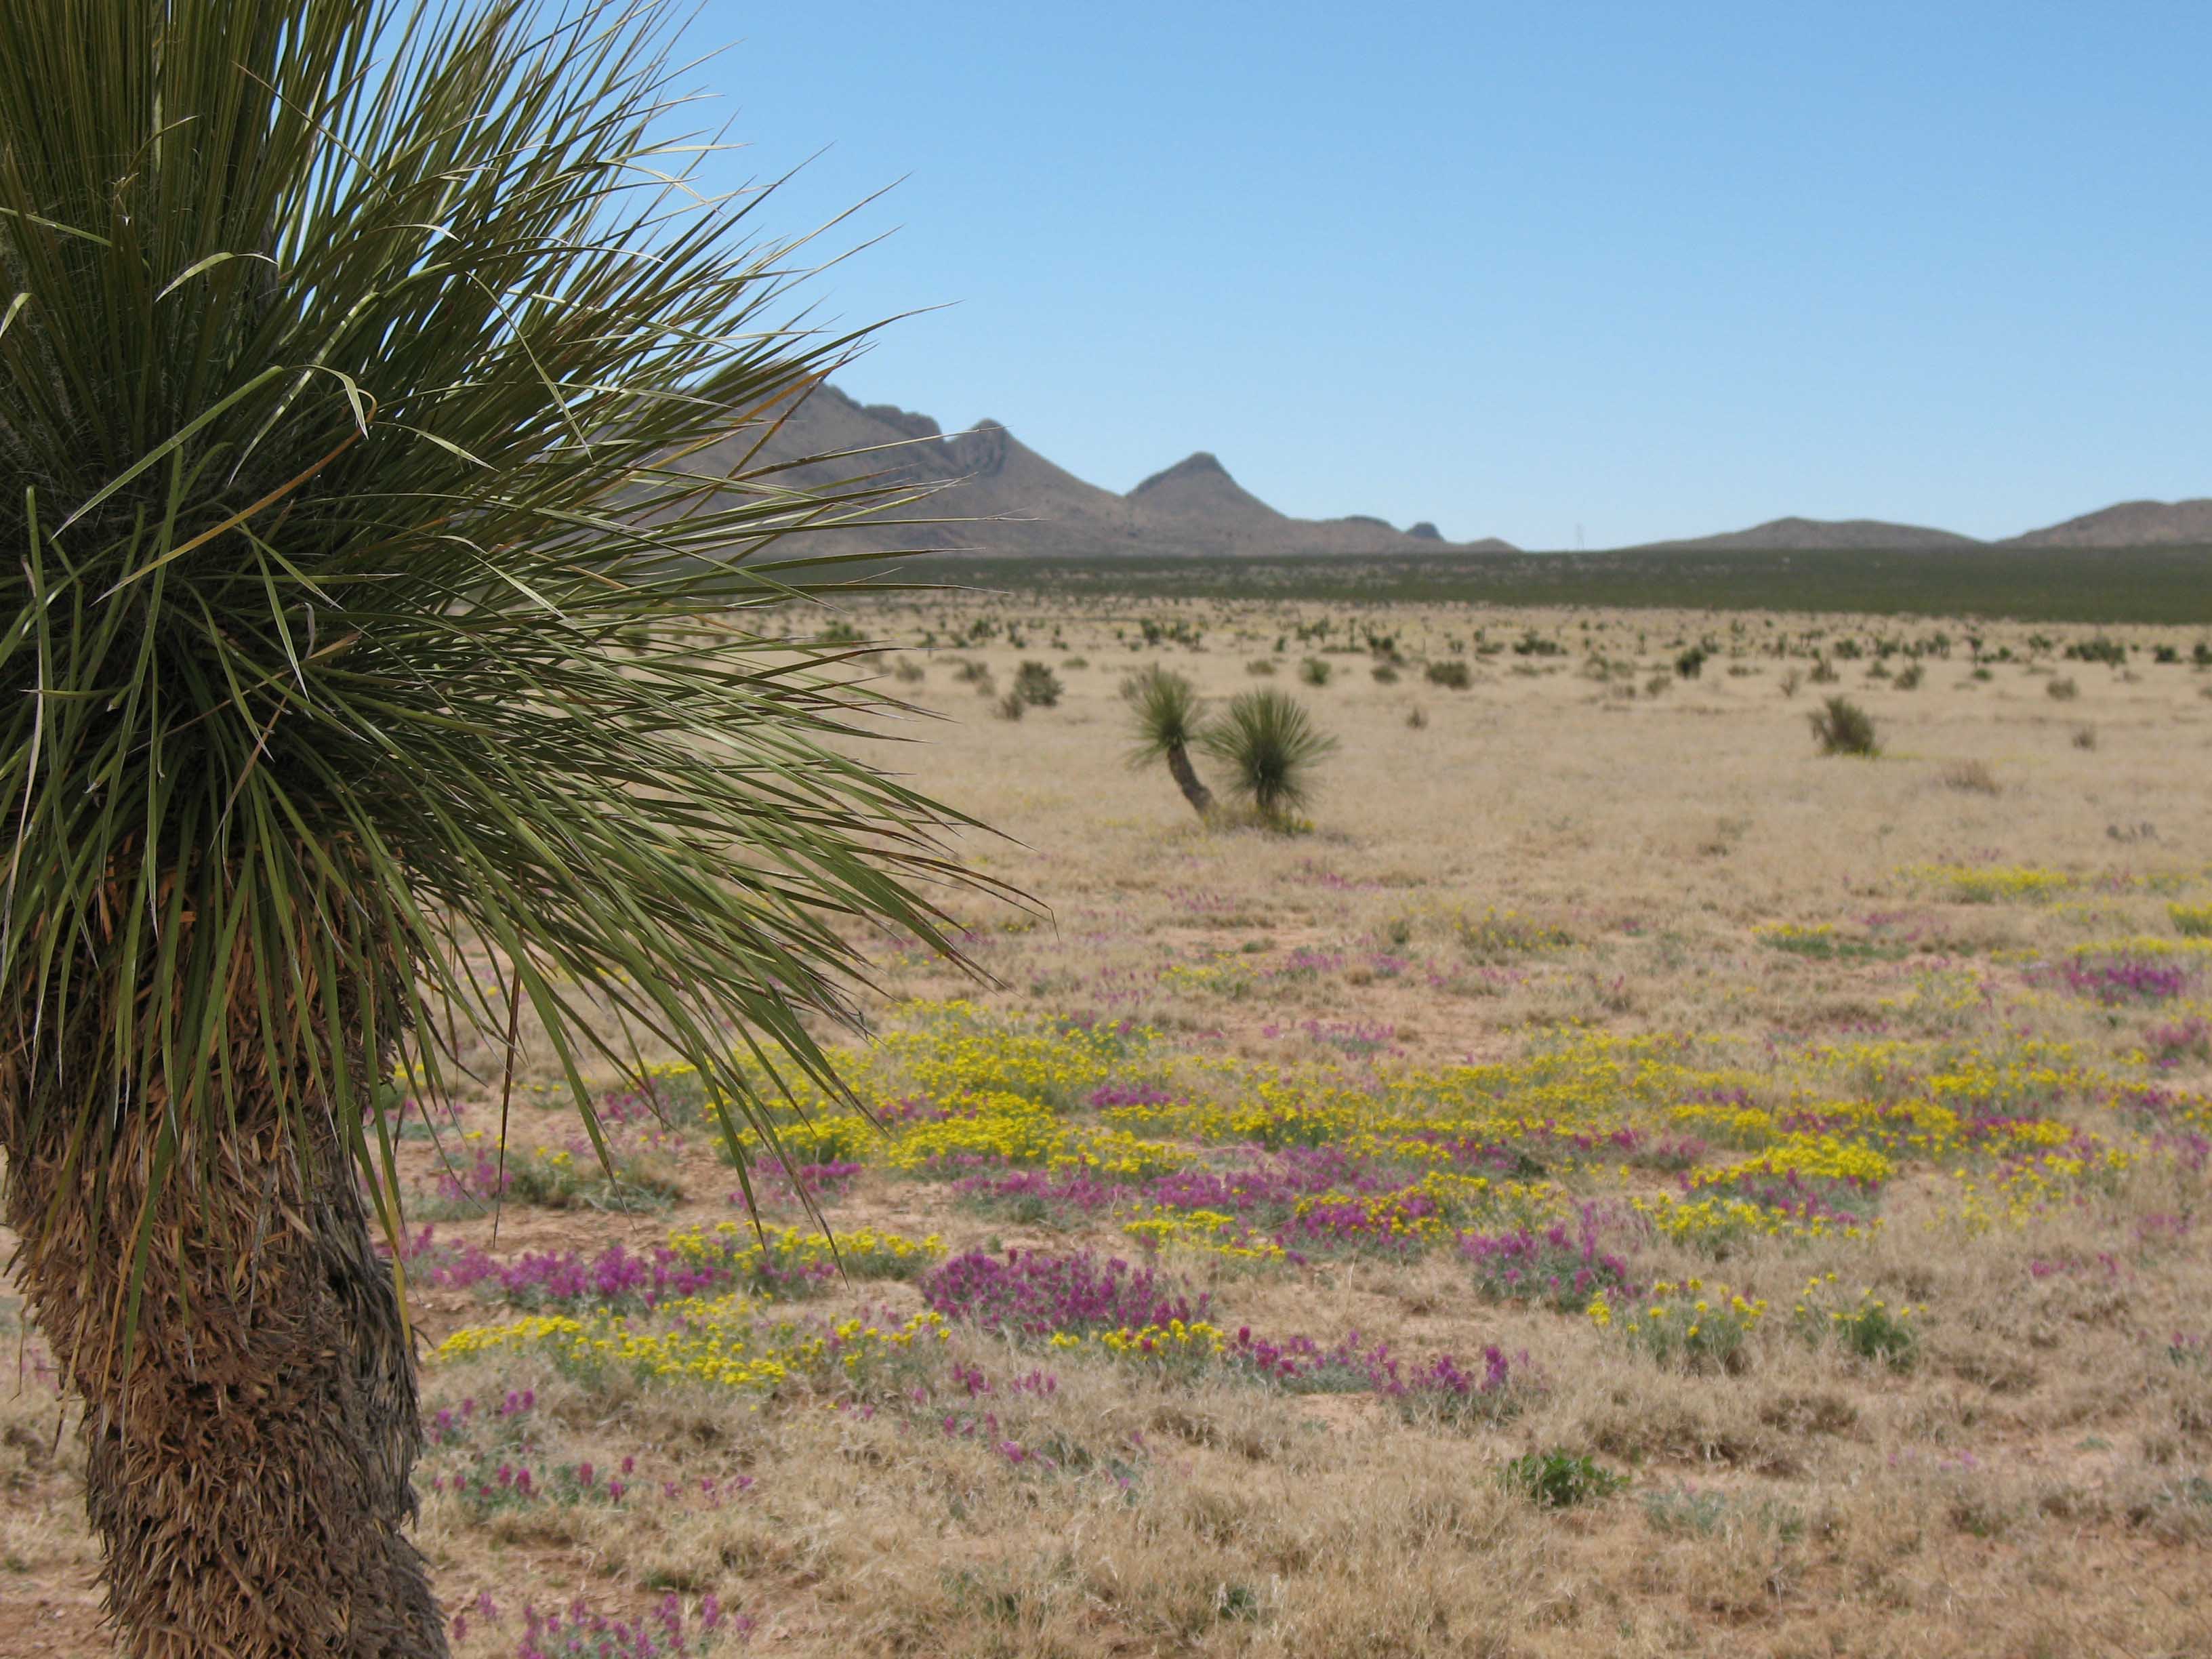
1271 746
1164 711
378 413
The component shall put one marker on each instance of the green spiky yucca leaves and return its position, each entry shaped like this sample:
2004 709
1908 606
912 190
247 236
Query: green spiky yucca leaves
1271 746
374 623
1164 711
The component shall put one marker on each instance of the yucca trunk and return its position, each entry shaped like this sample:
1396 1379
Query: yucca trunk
247 1463
1187 780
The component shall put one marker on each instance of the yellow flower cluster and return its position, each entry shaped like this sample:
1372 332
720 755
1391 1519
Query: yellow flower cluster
1118 1154
1224 976
1686 1322
2148 944
1814 1302
948 1051
1502 935
1176 1343
1813 1157
994 1125
2023 1190
714 1340
1210 1231
864 1251
834 1138
1783 931
1718 1224
1987 883
1868 1326
2191 920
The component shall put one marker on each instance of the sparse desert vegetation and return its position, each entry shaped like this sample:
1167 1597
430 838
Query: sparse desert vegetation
1577 1174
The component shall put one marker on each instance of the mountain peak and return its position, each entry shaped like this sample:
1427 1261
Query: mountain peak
1199 464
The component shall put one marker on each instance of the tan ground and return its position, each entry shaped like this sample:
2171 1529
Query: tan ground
2034 1485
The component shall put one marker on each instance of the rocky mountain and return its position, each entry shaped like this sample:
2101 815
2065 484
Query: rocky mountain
2127 524
984 490
1812 535
989 492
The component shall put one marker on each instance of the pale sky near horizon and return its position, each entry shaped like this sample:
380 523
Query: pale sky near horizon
1640 270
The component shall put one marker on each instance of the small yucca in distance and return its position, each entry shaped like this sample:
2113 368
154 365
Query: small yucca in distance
1164 710
1271 747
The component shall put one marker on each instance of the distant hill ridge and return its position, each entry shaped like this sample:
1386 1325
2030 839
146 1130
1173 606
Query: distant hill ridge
1003 497
993 494
1792 535
2129 523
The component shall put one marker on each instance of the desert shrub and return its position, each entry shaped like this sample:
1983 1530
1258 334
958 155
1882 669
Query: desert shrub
2201 653
1385 674
1271 746
1792 682
967 671
1074 663
1909 679
1867 1328
1261 665
1840 726
1011 706
1971 777
1314 672
2111 652
2085 736
1559 1479
1658 685
1679 1511
1685 1327
2062 689
1036 685
1501 936
1452 676
1691 664
908 672
1416 719
1824 672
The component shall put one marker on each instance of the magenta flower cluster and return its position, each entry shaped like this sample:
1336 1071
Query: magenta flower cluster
1028 1294
1039 1194
577 1632
2125 980
1561 1269
613 1278
2184 1040
1442 1384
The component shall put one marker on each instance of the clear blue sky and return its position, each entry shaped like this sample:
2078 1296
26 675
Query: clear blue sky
1654 269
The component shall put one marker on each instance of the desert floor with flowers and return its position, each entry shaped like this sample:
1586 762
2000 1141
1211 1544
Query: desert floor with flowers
1614 1181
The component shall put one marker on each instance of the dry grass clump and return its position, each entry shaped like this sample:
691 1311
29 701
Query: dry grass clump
1972 777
